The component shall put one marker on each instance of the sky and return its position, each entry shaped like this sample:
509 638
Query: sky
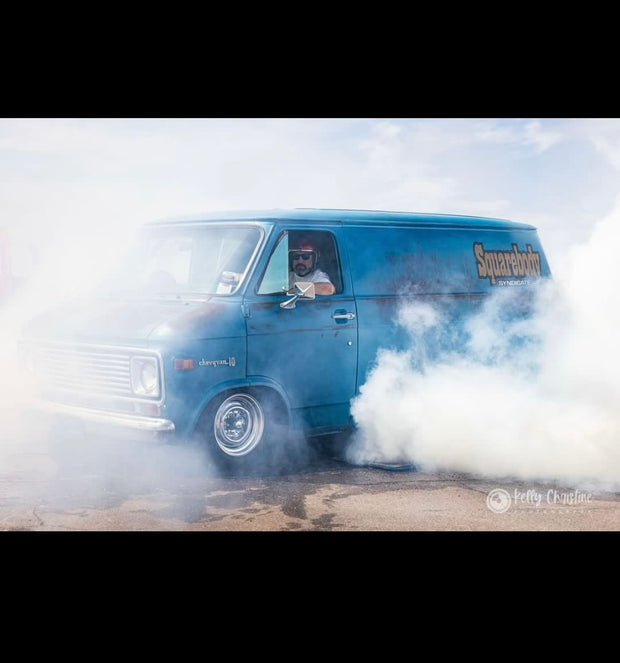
72 181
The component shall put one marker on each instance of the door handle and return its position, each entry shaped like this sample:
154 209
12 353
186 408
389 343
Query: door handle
343 316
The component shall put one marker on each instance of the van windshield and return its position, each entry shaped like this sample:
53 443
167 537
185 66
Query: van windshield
181 261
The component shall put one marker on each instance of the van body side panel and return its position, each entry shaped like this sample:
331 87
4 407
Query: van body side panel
401 260
452 270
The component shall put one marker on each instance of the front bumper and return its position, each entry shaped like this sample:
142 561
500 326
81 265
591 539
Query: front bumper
91 416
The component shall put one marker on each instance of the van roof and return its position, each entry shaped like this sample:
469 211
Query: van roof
354 216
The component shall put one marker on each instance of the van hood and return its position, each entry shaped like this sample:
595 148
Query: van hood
137 322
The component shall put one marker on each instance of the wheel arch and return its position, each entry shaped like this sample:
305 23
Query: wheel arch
256 385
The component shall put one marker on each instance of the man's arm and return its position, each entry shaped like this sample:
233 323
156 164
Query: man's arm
322 284
324 288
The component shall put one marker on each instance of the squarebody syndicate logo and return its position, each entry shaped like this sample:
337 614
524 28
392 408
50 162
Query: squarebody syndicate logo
511 266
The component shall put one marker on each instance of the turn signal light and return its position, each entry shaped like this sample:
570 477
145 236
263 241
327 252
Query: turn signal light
184 364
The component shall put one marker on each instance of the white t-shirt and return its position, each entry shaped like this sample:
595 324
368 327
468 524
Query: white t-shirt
316 276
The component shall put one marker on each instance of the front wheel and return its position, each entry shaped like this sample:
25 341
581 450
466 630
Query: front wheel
242 431
239 425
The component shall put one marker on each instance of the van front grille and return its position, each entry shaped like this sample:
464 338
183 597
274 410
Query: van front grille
73 369
83 370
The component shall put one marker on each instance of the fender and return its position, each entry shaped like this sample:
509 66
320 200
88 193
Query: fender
252 381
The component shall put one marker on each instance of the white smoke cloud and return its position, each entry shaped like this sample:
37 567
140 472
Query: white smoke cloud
534 402
35 457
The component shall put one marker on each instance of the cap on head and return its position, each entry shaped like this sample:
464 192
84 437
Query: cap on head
304 244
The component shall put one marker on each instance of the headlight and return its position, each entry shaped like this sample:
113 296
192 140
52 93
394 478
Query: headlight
145 376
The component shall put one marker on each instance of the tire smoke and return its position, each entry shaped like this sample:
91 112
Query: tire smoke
534 399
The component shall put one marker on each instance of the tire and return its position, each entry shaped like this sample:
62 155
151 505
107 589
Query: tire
240 430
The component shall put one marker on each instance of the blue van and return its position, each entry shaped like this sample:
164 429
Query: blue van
237 329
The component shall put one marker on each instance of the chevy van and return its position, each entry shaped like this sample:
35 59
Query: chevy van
206 332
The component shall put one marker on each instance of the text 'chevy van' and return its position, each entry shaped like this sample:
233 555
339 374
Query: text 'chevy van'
237 329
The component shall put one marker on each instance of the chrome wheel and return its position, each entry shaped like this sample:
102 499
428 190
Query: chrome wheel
239 424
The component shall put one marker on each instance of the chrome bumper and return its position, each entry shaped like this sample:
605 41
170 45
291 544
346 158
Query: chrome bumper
130 421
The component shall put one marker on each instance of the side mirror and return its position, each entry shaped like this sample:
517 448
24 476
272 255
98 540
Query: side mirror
303 290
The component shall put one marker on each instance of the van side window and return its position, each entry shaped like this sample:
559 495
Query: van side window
275 278
302 255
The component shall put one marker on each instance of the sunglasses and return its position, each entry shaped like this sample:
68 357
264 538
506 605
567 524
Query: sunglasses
301 256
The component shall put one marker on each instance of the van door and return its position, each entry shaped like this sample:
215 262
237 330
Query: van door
309 350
